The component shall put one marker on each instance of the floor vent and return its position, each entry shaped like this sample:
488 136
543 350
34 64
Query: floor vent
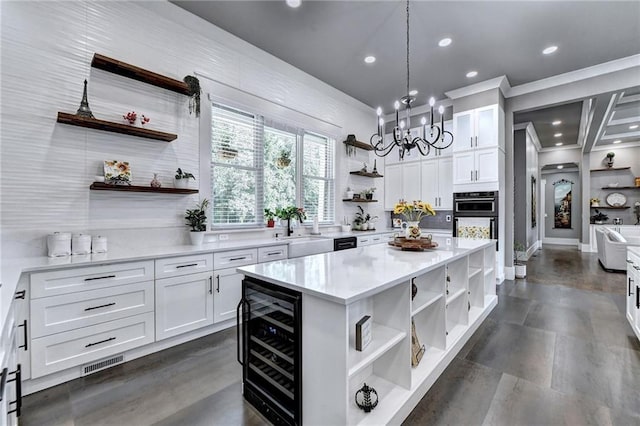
101 365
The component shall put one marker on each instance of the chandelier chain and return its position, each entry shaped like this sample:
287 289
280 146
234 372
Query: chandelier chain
407 49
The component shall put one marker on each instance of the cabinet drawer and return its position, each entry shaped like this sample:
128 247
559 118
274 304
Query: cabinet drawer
65 281
267 254
182 265
73 348
235 258
66 312
364 241
377 239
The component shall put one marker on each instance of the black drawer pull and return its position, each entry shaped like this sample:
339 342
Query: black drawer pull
18 401
88 345
3 382
210 285
273 253
637 297
24 330
20 294
101 306
186 266
218 286
629 290
100 278
237 258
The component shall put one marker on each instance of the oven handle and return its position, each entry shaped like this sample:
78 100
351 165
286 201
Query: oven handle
492 199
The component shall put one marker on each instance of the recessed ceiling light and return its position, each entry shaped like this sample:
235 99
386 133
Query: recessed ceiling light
559 144
549 50
370 59
413 92
557 135
617 141
556 123
633 126
560 166
444 42
472 74
294 3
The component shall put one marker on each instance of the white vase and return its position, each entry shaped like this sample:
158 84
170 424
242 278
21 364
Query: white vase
365 226
521 271
349 195
412 230
197 237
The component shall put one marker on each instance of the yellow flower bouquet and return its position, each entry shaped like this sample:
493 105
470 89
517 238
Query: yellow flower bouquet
413 212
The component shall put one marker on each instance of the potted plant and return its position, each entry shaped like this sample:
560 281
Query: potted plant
226 152
368 193
182 179
291 212
520 267
599 218
284 159
610 156
197 220
595 202
270 215
349 193
361 222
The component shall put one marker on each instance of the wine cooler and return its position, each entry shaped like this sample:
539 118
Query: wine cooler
269 350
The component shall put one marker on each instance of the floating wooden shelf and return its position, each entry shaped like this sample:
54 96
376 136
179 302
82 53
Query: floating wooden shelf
109 126
358 144
611 208
131 71
367 174
610 169
611 188
101 186
360 201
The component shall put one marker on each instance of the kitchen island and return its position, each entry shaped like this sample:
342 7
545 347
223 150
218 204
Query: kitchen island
455 292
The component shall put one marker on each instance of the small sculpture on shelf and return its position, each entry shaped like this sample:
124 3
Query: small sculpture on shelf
595 202
610 156
131 117
375 167
84 110
144 119
364 399
155 182
599 218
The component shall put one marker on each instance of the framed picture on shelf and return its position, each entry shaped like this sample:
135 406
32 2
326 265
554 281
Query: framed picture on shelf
363 333
117 172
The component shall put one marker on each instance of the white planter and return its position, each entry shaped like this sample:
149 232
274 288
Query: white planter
181 183
196 238
521 271
349 195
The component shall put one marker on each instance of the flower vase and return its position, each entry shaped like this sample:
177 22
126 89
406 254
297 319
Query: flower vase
412 230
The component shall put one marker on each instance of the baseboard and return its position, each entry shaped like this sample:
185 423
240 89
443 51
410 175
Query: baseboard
561 241
587 248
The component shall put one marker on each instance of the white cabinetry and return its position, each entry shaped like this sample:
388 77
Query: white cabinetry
402 182
437 185
633 289
475 166
476 128
228 283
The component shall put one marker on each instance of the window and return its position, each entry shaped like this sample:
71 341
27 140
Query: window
258 163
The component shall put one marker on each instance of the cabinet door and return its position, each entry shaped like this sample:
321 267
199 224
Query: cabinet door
392 185
463 167
486 127
394 156
429 191
463 129
226 294
486 165
445 183
183 304
411 181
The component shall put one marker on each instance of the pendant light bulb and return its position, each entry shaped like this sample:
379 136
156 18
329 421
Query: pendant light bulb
432 101
381 121
402 124
396 105
423 121
441 109
379 111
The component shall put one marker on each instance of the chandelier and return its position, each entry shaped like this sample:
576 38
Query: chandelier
432 135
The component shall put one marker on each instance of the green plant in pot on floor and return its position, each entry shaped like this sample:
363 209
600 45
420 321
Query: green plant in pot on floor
519 265
197 219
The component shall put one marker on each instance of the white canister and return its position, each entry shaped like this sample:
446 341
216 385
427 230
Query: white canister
59 244
80 244
99 244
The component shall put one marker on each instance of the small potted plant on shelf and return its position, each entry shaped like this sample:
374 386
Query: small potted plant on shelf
270 215
361 221
182 179
368 193
520 267
349 193
599 218
595 202
610 156
197 219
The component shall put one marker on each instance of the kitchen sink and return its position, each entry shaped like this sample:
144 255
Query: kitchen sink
305 246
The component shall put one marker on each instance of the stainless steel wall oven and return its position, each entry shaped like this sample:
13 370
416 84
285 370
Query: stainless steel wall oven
475 215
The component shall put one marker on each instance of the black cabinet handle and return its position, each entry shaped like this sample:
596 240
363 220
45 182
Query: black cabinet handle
100 278
637 297
273 253
20 294
186 266
629 290
237 258
210 285
18 380
3 382
238 337
217 283
100 306
88 345
24 331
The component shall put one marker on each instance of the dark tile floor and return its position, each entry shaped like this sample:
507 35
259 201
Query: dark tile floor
556 350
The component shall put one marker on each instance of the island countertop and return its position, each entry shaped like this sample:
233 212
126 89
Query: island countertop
350 275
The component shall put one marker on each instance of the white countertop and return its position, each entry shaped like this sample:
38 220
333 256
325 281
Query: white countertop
349 275
339 234
634 249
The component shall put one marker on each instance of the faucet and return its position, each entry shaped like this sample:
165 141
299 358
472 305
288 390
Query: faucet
289 230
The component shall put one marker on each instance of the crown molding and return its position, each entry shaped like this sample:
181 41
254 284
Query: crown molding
501 83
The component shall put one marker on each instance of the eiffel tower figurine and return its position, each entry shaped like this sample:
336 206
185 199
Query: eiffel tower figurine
84 110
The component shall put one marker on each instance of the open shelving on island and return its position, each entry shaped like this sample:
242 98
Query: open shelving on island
101 186
109 126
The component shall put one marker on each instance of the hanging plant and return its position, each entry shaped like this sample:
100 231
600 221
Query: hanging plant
283 160
194 92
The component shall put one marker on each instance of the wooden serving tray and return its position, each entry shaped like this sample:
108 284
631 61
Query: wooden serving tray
413 245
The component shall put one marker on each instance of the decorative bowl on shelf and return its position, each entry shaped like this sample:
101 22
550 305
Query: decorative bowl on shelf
616 199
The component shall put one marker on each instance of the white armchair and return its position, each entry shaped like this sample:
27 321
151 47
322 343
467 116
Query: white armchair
612 250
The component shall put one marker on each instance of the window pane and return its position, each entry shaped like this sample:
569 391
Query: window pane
318 191
234 196
279 168
233 137
318 199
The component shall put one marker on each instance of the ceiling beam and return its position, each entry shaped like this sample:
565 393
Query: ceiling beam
603 108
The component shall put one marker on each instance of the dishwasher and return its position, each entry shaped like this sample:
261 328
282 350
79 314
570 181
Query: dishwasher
345 243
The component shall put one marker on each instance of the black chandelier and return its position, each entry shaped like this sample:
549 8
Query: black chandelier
433 135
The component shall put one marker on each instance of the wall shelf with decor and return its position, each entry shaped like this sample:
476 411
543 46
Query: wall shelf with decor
100 186
610 188
611 207
361 200
109 126
366 174
358 144
136 73
610 169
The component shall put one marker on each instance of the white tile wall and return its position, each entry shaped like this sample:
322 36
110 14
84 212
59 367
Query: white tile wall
47 167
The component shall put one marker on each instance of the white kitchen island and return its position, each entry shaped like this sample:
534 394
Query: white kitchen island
456 292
